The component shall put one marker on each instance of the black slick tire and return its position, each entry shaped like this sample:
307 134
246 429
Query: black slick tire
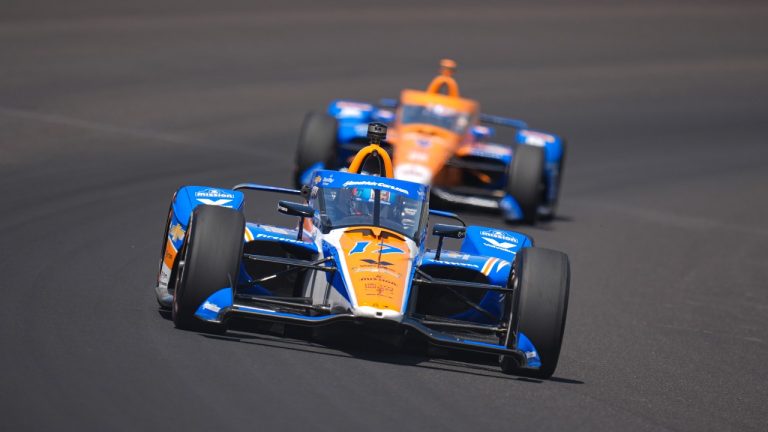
555 203
540 309
317 143
211 257
525 180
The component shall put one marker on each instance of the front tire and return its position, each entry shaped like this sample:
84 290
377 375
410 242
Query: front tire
543 279
525 180
210 261
162 295
317 143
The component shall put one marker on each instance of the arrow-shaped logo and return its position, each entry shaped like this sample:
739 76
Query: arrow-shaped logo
219 202
503 245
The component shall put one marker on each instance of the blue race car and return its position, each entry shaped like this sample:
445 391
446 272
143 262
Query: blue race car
441 139
358 254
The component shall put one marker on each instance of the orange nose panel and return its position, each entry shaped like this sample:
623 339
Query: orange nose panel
377 262
425 146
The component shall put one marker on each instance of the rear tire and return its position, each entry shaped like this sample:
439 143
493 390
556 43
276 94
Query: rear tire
525 180
543 283
211 257
317 143
561 170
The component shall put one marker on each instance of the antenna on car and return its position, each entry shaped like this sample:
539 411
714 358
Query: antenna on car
445 80
377 133
447 67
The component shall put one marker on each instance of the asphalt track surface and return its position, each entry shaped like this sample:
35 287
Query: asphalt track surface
107 107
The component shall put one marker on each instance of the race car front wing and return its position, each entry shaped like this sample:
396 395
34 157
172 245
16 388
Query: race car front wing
227 303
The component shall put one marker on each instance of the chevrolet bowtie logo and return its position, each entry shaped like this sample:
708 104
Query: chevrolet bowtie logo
176 232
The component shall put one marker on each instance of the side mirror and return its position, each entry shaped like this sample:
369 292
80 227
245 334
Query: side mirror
451 231
295 209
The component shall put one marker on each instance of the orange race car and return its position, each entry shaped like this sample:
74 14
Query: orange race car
440 139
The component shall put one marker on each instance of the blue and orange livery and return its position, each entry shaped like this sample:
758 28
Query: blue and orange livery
359 254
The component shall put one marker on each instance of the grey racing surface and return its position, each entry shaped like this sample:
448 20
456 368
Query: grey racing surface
107 107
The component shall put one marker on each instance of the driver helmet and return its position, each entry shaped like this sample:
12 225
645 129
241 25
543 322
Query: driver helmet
362 200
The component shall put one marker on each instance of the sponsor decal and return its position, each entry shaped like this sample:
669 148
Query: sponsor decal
538 139
378 279
498 235
350 112
276 230
165 276
456 255
317 179
354 105
283 239
530 354
499 240
352 109
377 269
459 264
375 289
211 307
214 193
374 184
490 151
